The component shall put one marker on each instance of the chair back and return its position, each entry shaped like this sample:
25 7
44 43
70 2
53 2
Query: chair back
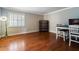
74 29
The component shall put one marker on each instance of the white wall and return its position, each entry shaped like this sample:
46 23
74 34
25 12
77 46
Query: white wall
0 23
32 20
61 17
31 23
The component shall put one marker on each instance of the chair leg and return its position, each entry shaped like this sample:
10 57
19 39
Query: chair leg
56 33
64 36
69 40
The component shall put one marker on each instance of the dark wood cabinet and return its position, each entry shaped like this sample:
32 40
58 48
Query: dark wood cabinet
43 25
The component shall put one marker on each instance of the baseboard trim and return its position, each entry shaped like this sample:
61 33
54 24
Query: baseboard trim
29 32
23 33
52 31
17 34
32 31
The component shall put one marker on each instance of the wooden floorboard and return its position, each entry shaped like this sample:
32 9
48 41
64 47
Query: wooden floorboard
38 41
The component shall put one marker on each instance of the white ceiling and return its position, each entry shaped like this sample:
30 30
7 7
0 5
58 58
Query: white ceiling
35 10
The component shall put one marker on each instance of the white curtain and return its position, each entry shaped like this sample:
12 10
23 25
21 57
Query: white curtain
16 20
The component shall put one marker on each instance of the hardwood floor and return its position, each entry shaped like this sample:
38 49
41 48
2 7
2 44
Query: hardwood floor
39 41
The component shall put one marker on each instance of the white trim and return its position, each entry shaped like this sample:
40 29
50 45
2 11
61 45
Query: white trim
52 31
32 31
16 34
21 33
59 10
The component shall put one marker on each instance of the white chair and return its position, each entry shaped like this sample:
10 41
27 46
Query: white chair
62 33
73 33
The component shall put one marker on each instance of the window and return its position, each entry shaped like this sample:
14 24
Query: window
16 20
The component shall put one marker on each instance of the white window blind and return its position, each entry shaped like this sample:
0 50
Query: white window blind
16 20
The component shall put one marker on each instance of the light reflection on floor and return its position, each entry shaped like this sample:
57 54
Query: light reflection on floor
14 46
